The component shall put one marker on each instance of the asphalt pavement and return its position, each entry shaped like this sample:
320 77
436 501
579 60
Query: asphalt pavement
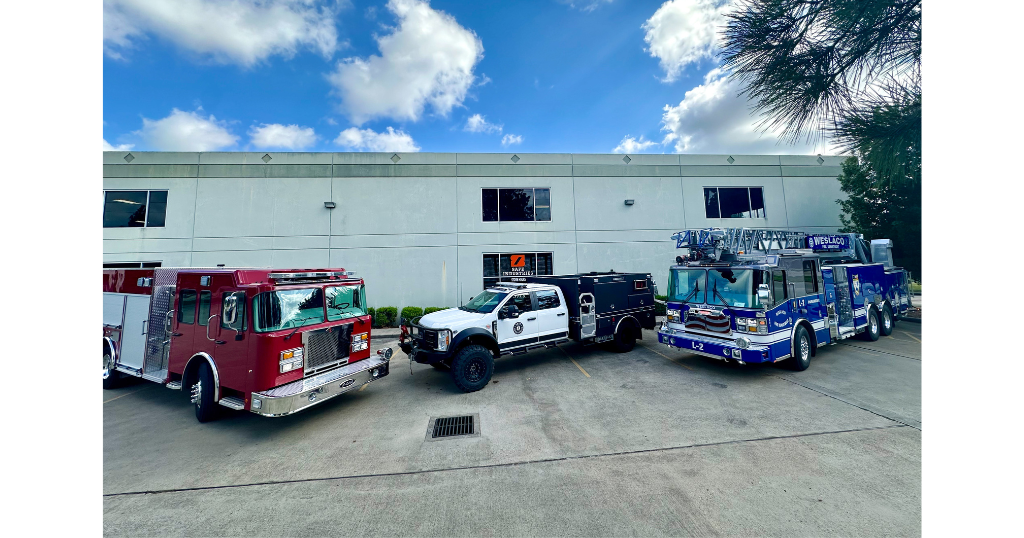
574 441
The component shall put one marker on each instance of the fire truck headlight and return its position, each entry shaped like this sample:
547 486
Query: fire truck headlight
290 360
444 337
743 342
673 316
360 341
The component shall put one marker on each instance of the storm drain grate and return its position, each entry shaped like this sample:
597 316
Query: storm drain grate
454 426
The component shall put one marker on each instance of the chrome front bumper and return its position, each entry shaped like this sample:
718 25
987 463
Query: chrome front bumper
298 395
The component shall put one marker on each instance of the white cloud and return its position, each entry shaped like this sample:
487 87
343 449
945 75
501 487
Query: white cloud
120 147
236 31
477 124
713 118
682 32
586 5
427 60
275 135
511 139
186 131
368 140
633 145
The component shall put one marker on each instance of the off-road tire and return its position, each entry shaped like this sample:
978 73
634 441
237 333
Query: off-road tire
887 322
111 377
874 328
801 350
206 408
625 338
472 367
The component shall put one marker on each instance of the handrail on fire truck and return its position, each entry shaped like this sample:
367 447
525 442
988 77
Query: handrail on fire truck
713 243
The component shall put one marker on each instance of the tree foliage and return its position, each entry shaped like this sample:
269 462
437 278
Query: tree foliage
816 66
883 209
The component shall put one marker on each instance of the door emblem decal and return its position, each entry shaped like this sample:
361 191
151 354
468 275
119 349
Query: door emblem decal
518 327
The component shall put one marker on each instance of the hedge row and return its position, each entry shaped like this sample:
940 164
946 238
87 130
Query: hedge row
387 316
659 308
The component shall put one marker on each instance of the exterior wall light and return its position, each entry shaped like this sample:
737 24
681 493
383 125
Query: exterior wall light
330 205
629 202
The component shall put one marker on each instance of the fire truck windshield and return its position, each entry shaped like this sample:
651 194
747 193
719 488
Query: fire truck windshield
734 287
345 302
286 309
687 285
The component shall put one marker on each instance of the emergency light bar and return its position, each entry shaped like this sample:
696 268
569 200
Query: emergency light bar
311 276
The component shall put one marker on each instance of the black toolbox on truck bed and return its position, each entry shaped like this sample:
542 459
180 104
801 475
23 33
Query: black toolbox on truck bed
615 296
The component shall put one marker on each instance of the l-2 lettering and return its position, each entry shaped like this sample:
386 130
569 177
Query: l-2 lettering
697 345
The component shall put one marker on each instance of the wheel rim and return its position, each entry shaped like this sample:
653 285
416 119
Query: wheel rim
887 319
874 325
475 370
197 392
805 348
106 365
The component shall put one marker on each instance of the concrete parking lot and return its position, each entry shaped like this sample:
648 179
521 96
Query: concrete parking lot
575 441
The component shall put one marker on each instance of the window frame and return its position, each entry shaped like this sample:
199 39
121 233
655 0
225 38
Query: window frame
145 219
537 300
498 200
181 311
498 278
750 202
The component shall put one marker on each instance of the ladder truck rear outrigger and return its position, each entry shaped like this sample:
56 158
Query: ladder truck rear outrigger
758 295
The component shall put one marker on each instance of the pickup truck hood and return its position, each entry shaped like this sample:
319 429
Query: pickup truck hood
455 319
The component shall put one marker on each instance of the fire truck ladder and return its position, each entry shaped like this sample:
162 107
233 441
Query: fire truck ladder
713 243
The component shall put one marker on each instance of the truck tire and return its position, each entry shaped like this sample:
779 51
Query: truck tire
887 321
472 367
202 394
625 338
874 329
111 377
801 350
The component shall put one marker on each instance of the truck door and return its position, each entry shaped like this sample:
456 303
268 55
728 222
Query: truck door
844 306
552 315
588 316
183 327
829 285
227 335
133 337
521 331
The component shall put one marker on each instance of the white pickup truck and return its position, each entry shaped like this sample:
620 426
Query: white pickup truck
511 317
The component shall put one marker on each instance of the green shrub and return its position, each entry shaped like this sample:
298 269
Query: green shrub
385 317
410 313
659 308
432 309
369 310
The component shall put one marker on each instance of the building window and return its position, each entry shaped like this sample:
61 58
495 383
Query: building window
131 265
734 202
134 209
516 205
513 267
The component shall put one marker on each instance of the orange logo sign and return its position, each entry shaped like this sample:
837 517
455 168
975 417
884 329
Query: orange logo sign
518 260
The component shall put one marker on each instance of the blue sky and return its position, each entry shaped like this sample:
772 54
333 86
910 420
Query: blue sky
408 75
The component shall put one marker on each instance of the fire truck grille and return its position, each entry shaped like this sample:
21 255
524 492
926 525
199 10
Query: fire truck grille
714 322
329 346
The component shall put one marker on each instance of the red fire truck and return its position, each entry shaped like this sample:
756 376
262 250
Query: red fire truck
272 342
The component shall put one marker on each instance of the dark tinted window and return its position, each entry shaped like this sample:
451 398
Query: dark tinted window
544 264
495 265
711 203
124 209
490 270
490 205
542 204
522 301
734 202
233 311
157 208
757 202
779 286
187 307
810 277
204 307
515 204
547 299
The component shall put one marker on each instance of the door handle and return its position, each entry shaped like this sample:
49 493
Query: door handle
530 319
177 334
561 314
219 342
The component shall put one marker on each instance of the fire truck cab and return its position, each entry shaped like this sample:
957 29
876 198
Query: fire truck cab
265 341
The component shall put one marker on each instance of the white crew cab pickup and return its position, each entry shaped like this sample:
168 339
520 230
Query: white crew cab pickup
513 317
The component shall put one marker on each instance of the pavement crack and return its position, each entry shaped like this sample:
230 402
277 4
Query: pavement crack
510 464
918 359
825 392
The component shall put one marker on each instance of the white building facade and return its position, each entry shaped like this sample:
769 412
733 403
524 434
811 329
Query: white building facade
430 229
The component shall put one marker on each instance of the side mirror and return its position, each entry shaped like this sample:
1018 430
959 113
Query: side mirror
763 294
511 311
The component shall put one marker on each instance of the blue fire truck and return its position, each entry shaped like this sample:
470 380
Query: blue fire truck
756 295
